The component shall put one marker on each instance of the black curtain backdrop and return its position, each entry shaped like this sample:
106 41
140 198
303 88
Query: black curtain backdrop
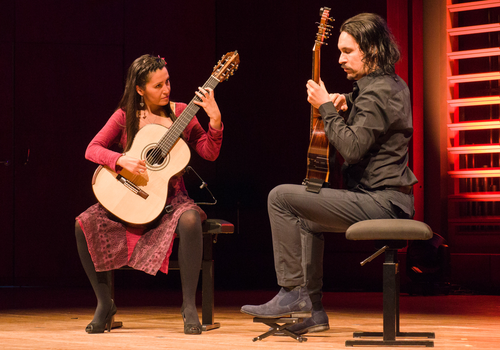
63 66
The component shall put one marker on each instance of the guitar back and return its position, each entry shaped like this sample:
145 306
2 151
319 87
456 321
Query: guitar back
318 154
140 199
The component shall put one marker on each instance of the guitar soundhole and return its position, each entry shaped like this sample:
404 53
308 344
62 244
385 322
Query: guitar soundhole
154 158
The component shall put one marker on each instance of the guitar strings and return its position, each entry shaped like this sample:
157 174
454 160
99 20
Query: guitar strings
168 140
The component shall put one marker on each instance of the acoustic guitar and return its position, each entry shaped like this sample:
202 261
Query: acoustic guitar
319 154
140 199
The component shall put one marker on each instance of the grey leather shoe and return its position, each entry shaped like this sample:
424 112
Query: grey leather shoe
284 303
318 322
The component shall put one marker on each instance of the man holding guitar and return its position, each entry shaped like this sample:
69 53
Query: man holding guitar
373 140
143 202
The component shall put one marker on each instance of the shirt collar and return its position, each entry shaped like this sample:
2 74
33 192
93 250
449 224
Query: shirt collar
364 81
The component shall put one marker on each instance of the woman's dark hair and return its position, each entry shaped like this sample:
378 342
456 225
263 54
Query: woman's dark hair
139 74
375 40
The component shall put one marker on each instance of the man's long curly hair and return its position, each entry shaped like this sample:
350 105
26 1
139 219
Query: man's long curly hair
375 40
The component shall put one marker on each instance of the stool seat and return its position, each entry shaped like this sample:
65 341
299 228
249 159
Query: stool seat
389 229
392 234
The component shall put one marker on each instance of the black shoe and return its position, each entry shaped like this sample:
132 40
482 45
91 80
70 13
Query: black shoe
95 327
284 303
191 328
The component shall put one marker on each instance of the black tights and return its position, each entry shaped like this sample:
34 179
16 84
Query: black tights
189 255
100 281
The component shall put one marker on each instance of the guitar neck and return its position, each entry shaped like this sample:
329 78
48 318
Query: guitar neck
316 68
172 135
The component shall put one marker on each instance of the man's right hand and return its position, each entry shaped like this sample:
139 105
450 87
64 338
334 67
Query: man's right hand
339 102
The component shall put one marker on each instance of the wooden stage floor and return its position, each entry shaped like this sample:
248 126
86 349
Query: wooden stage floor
459 321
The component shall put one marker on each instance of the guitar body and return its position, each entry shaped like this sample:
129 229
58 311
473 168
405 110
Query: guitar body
318 154
143 197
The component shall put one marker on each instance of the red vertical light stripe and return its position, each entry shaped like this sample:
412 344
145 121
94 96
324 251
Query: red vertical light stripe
405 19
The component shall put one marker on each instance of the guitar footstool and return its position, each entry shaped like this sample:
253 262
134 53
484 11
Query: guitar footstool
286 321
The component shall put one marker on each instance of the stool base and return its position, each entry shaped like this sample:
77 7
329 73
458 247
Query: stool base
392 342
208 327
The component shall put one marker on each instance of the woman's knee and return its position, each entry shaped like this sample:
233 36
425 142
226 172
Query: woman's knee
190 218
189 223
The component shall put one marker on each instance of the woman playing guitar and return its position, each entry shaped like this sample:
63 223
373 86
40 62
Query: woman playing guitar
104 242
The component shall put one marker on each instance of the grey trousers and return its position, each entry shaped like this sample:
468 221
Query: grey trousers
299 219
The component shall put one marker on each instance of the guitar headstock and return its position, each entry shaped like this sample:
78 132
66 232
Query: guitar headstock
227 65
324 29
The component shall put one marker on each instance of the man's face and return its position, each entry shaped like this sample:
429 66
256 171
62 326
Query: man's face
351 57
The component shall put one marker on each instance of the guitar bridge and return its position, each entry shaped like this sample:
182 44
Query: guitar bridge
317 162
132 187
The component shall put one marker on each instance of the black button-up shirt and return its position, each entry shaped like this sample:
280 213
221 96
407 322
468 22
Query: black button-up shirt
374 139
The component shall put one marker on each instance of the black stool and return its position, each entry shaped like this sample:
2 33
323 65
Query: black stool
392 234
211 229
286 321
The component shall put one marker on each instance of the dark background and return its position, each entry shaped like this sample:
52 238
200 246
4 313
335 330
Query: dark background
63 66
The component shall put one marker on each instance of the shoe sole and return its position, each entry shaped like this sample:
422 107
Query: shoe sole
298 314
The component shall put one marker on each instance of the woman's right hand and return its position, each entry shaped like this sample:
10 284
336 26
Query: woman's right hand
134 165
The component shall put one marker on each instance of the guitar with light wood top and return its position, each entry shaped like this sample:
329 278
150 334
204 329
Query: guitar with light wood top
140 199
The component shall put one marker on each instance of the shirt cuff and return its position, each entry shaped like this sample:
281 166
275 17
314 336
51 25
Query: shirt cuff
214 132
328 109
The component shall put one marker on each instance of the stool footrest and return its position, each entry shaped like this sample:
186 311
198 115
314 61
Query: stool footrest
286 321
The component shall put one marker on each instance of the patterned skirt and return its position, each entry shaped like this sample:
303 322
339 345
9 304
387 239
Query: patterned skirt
112 244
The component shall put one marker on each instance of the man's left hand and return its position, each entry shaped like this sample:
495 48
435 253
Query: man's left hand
316 93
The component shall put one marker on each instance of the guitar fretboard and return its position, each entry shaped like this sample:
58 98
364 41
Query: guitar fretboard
172 135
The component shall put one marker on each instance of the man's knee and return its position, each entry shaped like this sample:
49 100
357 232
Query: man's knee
278 192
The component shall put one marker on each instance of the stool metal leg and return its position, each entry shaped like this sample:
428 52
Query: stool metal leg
391 290
207 293
114 323
390 274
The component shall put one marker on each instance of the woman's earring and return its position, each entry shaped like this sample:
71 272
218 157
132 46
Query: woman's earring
142 101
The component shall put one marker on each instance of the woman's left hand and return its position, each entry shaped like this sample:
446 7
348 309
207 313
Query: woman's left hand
210 106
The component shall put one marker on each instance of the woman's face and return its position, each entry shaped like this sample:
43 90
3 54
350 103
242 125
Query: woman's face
157 89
